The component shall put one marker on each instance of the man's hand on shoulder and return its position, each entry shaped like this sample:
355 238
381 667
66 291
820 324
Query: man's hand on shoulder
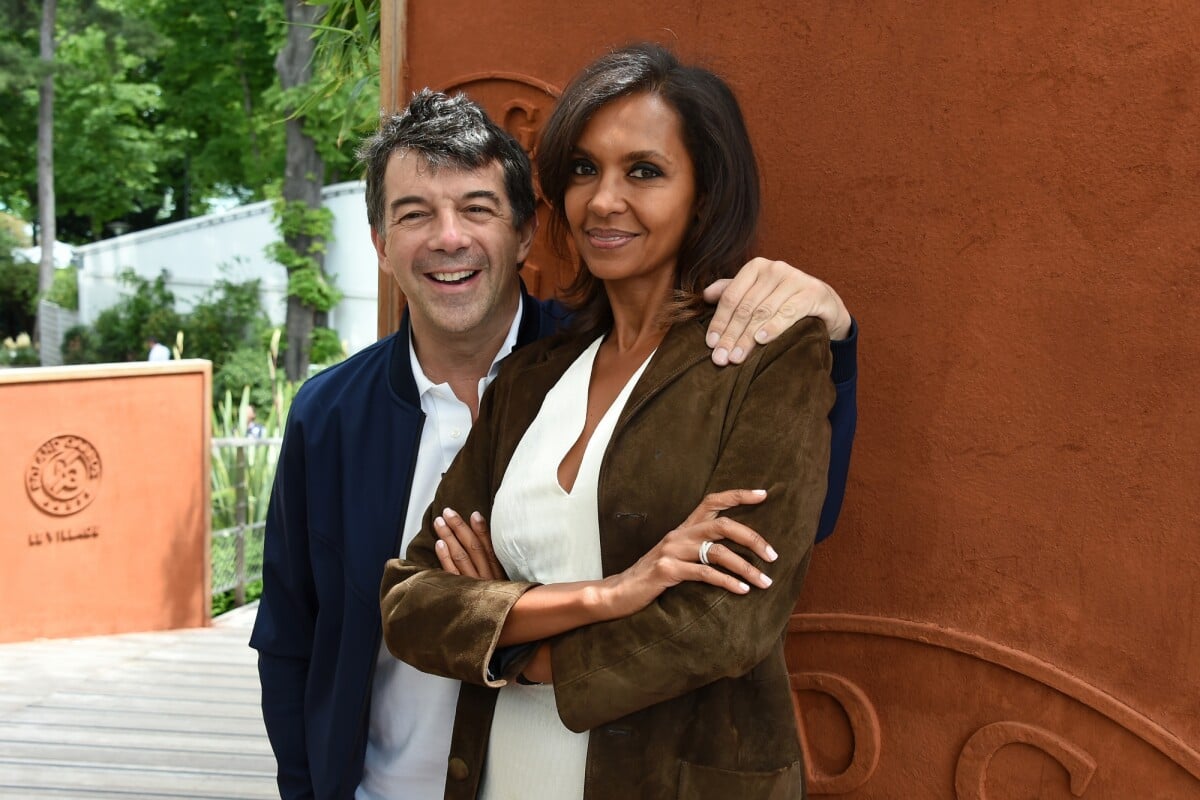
763 300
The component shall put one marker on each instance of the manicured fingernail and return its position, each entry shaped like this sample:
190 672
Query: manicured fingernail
449 512
476 516
721 355
737 354
771 554
439 545
745 587
760 336
712 338
759 492
764 580
441 523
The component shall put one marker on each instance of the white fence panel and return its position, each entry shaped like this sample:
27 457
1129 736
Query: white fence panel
196 253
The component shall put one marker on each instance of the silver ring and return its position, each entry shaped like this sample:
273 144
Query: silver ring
705 546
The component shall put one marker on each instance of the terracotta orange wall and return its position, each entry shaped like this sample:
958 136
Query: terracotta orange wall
1007 195
104 499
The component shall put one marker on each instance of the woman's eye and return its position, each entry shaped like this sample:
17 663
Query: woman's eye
645 171
582 167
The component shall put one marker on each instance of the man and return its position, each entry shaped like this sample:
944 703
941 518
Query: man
158 350
451 206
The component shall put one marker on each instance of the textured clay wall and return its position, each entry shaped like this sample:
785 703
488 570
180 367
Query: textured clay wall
1007 195
104 490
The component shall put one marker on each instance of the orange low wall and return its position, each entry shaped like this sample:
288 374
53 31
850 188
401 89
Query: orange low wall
104 499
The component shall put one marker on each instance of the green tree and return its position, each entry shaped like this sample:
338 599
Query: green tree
45 144
226 318
18 289
148 310
216 72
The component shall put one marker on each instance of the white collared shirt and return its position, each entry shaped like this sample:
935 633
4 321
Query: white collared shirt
412 713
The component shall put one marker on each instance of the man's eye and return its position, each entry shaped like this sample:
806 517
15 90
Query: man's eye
411 216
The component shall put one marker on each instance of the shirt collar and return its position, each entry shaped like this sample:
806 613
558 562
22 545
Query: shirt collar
424 385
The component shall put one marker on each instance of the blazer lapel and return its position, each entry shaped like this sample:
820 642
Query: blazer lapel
682 348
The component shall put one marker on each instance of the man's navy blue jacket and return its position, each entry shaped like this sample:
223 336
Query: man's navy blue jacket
336 515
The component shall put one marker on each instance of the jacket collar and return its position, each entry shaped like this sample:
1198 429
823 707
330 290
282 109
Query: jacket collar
400 368
682 348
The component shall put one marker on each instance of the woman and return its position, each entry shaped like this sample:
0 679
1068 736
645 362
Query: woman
655 634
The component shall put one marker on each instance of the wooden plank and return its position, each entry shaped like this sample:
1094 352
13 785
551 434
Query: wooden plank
133 738
153 716
145 755
110 719
89 780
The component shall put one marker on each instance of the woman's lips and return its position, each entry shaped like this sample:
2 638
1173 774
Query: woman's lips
608 238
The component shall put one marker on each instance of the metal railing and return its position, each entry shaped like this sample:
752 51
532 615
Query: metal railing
246 480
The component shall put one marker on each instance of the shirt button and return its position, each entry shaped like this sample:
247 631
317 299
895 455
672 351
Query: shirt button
455 433
458 769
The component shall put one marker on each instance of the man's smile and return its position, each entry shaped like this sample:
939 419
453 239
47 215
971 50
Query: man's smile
461 276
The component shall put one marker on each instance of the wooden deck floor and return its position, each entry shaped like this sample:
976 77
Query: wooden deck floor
151 715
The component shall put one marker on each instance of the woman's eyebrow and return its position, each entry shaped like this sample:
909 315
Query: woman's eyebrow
647 155
636 155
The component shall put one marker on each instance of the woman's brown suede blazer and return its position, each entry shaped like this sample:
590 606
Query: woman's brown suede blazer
689 697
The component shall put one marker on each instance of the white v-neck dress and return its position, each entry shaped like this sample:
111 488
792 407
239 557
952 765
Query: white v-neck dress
545 534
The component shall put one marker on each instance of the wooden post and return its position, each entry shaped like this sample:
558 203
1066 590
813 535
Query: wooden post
393 94
239 519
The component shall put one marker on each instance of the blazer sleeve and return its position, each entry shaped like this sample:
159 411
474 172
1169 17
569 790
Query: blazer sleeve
776 438
843 419
283 627
447 624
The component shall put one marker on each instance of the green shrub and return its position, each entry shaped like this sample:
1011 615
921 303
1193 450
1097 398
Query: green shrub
258 473
227 601
79 346
19 352
64 291
18 288
227 318
245 368
122 331
325 346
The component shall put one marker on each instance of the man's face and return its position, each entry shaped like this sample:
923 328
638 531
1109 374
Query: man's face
450 243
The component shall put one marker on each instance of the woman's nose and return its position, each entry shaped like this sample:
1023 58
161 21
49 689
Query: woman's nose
608 198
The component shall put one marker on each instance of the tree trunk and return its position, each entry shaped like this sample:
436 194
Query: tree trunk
47 232
304 172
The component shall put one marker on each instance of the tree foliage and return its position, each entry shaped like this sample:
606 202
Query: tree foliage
148 310
162 107
18 288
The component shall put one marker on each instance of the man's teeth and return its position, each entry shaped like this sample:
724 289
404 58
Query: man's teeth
451 277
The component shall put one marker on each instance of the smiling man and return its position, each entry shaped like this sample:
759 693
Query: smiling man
450 202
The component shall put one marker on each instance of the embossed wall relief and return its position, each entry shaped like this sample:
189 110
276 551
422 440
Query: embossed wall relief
520 104
884 703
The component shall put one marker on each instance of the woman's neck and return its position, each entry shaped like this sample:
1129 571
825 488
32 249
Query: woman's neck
637 311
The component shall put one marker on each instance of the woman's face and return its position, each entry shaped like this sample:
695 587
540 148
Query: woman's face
632 191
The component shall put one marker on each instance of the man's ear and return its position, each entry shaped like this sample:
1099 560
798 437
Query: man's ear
525 236
380 245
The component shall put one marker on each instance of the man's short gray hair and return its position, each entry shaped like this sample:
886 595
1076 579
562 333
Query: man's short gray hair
451 132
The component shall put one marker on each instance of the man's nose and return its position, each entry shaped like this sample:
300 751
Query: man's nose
449 234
